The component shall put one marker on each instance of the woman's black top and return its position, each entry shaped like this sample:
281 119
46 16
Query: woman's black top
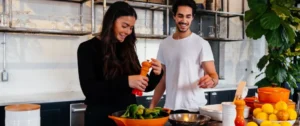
98 90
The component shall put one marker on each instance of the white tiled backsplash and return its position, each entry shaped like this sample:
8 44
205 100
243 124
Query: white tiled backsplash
47 63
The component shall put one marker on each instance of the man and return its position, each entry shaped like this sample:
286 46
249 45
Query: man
188 64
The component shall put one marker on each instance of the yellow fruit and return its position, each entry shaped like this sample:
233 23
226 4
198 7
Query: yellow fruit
266 123
289 110
251 124
275 111
281 105
275 124
292 114
285 124
256 111
262 116
272 117
267 108
282 115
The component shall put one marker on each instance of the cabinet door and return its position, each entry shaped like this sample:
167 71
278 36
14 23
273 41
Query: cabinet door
2 116
55 114
146 100
251 92
219 97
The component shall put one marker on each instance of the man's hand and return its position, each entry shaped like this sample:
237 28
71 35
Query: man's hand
156 66
206 82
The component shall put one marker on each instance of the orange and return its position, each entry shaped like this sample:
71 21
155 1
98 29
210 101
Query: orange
282 115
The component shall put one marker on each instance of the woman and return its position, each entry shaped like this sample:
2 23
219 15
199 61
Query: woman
109 67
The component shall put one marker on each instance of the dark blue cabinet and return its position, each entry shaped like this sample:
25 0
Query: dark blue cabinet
52 114
217 97
2 116
55 114
146 100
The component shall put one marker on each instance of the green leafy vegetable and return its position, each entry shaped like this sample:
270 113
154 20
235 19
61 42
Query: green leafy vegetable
134 111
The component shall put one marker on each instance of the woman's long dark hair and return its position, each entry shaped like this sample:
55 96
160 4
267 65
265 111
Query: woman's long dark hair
126 60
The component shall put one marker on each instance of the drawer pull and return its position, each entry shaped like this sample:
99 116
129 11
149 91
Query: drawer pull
214 93
150 98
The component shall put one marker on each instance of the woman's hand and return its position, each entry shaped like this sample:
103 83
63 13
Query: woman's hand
138 82
156 66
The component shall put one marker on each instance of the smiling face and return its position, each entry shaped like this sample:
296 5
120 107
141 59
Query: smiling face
123 27
183 18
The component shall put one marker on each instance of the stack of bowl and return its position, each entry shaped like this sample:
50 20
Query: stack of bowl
273 105
270 95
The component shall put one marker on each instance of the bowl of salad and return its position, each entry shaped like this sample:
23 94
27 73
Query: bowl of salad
141 116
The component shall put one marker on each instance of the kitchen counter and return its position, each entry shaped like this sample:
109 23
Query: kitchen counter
78 96
226 88
218 123
42 98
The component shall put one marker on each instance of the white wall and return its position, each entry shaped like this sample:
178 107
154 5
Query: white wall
47 63
239 56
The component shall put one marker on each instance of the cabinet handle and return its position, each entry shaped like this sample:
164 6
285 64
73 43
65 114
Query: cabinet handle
148 98
214 93
78 110
206 94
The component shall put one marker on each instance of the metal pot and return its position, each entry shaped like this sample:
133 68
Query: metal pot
188 119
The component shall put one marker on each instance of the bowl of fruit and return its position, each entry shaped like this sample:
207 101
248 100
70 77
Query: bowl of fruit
278 114
138 115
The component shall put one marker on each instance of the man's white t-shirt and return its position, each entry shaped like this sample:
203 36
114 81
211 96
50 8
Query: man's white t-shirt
183 59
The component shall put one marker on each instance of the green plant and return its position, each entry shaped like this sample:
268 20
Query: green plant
278 21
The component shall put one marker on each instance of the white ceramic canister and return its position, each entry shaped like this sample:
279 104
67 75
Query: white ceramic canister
22 115
228 113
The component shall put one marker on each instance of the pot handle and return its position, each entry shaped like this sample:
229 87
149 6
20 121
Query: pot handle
118 121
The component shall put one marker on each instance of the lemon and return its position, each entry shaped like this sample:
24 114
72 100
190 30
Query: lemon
275 124
285 124
266 123
272 117
292 114
256 111
251 124
282 115
281 105
268 108
275 111
290 110
262 116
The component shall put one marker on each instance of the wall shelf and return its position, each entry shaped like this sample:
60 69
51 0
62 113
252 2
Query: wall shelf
142 5
149 36
11 29
74 1
221 39
220 13
43 31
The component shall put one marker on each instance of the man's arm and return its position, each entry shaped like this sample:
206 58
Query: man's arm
211 78
159 90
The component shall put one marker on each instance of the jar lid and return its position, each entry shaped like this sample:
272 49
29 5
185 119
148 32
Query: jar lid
22 107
